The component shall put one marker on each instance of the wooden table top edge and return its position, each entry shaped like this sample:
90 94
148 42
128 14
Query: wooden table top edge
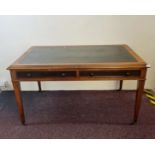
140 62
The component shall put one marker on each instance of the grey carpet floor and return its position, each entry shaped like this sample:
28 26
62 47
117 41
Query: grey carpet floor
76 114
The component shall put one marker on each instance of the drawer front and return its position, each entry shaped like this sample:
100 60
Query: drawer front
123 73
44 74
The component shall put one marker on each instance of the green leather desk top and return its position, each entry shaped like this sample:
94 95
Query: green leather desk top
77 55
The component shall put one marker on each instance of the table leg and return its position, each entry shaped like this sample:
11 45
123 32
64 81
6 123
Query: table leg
16 85
120 85
139 95
39 86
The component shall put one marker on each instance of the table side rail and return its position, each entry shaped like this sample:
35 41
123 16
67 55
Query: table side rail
75 75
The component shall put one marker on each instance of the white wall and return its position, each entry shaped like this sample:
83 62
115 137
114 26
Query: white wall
18 33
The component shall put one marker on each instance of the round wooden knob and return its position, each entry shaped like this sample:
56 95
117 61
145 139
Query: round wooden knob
128 73
29 74
63 74
91 74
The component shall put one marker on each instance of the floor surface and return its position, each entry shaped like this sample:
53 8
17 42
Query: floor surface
76 114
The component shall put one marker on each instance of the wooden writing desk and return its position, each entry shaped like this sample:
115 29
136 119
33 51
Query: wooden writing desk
78 63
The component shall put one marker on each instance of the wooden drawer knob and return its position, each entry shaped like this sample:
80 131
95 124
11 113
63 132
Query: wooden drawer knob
63 74
128 73
28 74
91 74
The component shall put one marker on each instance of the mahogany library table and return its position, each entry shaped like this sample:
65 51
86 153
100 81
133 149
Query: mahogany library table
78 63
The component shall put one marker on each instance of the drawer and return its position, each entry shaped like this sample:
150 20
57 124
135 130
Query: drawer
124 73
45 74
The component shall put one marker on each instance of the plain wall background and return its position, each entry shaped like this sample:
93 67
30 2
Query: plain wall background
18 33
